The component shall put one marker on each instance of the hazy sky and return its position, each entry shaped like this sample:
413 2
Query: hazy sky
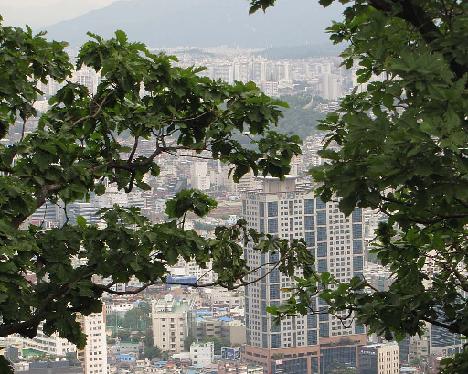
37 13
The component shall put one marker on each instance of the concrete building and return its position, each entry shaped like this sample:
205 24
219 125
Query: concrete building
93 357
199 177
170 323
443 343
270 88
330 87
202 354
236 367
53 345
292 212
379 359
94 354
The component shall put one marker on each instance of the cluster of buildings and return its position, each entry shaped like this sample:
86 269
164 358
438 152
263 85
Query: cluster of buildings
219 331
213 330
322 76
319 76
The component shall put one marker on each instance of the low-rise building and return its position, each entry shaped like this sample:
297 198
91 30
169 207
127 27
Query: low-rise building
170 323
202 354
379 359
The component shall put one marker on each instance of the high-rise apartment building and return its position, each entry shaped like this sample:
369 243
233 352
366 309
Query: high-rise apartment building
291 211
93 357
379 359
199 176
94 354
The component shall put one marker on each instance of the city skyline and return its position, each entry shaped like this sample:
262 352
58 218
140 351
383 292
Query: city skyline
211 187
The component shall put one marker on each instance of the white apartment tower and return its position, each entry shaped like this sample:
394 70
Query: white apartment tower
290 211
199 177
94 355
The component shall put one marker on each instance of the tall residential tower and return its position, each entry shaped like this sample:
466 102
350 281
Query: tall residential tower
300 344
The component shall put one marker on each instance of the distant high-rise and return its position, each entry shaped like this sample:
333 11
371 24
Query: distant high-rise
94 354
330 87
199 177
291 211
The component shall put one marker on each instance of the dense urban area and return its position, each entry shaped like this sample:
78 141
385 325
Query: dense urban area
181 326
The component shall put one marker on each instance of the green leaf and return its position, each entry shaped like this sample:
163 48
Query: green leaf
121 36
81 221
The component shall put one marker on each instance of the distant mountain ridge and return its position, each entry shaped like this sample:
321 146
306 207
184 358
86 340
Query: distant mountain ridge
203 23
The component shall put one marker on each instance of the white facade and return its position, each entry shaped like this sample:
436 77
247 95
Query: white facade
293 212
94 355
53 345
380 359
330 86
270 88
202 354
199 177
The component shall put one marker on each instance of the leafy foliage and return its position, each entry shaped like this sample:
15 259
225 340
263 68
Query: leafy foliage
190 200
403 151
54 275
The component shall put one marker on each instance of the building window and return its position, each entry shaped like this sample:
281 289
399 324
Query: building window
358 263
273 226
322 217
360 329
357 231
262 209
357 215
275 276
321 234
323 316
322 249
273 209
311 337
319 204
263 292
357 246
308 222
309 238
324 330
308 206
274 256
275 340
274 291
321 266
311 320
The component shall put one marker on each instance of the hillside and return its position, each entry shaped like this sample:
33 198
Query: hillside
203 23
300 118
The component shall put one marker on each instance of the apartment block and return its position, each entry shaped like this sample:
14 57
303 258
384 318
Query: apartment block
170 323
379 359
291 211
